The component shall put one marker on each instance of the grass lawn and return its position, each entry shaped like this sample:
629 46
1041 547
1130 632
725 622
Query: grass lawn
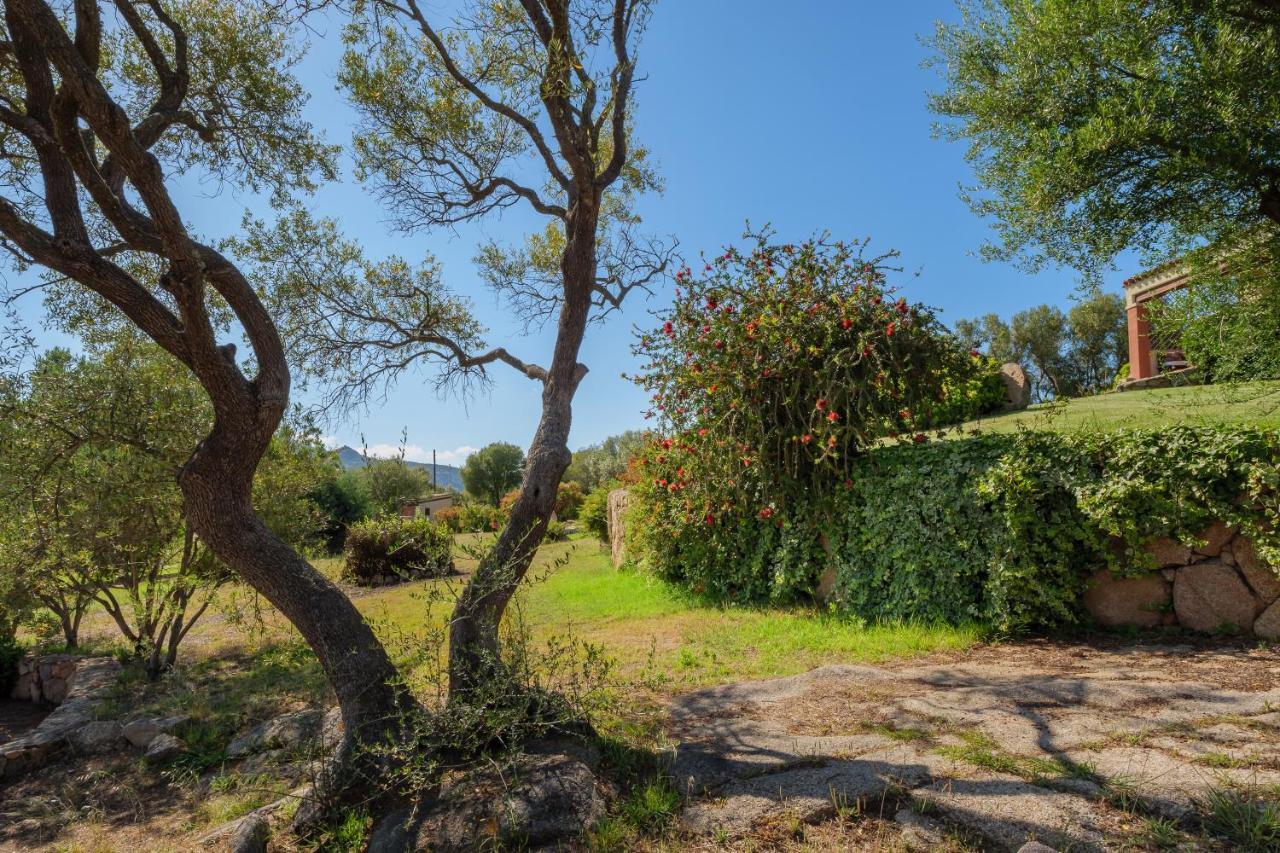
649 626
1245 404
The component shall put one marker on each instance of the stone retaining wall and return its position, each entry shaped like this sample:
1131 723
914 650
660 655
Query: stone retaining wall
1220 587
44 679
84 684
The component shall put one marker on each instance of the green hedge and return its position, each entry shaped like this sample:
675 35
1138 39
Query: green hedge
999 529
383 549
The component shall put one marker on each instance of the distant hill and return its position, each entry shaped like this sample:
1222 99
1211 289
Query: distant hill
447 476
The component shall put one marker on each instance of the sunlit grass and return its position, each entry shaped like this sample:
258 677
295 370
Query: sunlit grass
1243 404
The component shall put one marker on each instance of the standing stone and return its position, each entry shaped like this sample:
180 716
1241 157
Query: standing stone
1210 597
1261 577
617 529
1017 388
1268 625
1115 602
164 748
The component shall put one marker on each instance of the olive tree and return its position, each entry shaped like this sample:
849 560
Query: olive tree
101 104
509 102
1096 127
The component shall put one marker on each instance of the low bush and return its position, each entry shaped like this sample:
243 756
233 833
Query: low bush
480 518
594 512
381 550
1000 529
556 532
450 517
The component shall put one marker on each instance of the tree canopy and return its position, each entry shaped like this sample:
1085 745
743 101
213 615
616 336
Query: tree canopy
492 471
1099 126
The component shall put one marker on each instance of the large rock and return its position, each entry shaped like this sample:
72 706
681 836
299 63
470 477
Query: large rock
1211 597
142 731
281 732
541 801
1114 602
1017 387
617 529
250 835
1168 552
1267 625
1215 538
164 748
98 737
1260 576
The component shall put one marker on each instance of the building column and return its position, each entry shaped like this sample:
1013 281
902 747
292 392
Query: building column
1142 361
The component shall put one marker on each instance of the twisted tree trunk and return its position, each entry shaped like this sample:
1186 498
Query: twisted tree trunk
474 654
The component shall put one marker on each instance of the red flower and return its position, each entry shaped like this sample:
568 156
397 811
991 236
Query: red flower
666 444
821 404
846 323
710 519
833 416
702 431
919 438
806 438
668 328
888 330
767 512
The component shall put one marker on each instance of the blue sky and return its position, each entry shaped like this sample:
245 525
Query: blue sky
813 118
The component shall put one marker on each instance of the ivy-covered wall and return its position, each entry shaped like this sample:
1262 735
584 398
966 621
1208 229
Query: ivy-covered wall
1005 530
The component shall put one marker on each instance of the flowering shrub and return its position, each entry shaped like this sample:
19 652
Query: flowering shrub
594 513
569 499
772 373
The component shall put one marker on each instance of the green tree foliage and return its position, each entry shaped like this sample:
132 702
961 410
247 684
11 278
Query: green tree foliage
1111 124
492 471
1228 318
93 513
1066 354
391 483
598 464
343 501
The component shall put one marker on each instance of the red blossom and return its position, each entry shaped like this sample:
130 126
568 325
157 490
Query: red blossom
766 512
821 404
919 438
806 438
833 416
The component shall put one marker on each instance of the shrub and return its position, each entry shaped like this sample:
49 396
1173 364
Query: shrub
773 372
556 532
11 652
1000 529
569 498
594 513
480 518
450 518
382 549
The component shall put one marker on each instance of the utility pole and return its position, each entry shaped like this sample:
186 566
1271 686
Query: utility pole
435 484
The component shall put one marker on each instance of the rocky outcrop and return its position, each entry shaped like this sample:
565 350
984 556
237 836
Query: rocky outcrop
282 732
617 528
535 801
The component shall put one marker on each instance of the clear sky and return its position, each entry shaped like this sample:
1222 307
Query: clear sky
810 115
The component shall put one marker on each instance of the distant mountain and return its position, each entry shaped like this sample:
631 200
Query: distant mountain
447 476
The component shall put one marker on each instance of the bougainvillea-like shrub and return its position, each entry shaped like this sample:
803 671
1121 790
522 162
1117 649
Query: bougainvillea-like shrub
774 370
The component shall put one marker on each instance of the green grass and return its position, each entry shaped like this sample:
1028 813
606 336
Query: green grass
642 622
1245 404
